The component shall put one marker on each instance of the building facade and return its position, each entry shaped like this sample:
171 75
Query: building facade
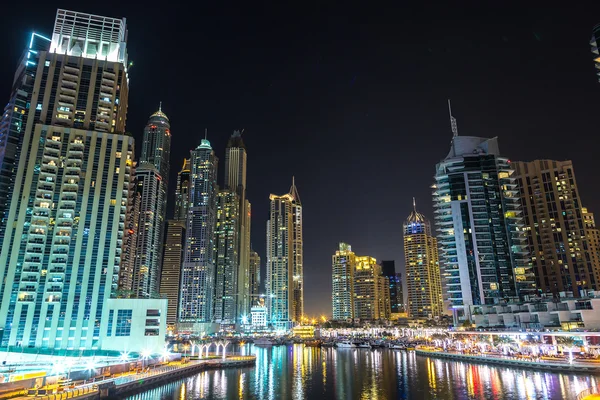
171 268
478 214
422 268
593 240
182 192
562 255
388 269
371 290
62 250
342 297
595 53
198 271
254 276
227 257
284 260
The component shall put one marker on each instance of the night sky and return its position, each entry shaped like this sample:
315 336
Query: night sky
351 102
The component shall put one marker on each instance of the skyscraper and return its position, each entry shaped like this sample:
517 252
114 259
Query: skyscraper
342 297
371 290
151 188
62 250
592 234
254 276
422 268
182 192
478 213
171 268
235 181
562 254
227 253
595 52
284 259
388 269
197 275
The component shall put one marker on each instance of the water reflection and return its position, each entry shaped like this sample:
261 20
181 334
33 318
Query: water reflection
297 372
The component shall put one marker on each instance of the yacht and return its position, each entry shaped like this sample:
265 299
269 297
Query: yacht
345 344
396 346
362 345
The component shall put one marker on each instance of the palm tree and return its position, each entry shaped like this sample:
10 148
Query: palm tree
568 342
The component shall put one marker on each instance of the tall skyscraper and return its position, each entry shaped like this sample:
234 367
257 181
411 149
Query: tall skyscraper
400 291
182 192
371 290
197 275
284 259
254 276
342 297
592 234
388 269
562 254
478 213
235 180
171 268
62 250
227 253
151 178
422 268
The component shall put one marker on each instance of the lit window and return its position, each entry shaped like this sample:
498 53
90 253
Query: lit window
47 64
39 107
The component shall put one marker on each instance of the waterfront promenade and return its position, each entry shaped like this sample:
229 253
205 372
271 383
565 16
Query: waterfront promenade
542 364
111 387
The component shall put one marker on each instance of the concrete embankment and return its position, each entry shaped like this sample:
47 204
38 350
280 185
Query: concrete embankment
577 367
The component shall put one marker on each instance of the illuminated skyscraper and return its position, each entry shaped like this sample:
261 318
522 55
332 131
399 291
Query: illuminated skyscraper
478 214
342 296
235 180
254 276
422 268
227 253
562 253
197 275
62 246
595 52
284 260
182 192
371 290
388 269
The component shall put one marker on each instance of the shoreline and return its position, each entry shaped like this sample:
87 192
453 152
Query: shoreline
546 366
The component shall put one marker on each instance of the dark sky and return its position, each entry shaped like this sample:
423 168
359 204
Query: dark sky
352 101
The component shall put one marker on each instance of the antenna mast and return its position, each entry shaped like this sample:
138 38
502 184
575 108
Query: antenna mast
453 124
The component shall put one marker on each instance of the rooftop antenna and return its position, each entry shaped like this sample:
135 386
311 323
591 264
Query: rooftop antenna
205 133
452 121
414 205
160 106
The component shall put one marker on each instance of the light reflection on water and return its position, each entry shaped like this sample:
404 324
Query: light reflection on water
297 372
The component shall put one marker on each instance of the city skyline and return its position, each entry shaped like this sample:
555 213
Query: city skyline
518 121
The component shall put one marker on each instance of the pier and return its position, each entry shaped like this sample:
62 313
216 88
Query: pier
546 365
112 387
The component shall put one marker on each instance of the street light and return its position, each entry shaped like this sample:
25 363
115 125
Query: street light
145 355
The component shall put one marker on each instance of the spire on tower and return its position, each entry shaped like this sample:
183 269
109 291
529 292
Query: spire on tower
294 190
453 124
414 205
205 133
160 106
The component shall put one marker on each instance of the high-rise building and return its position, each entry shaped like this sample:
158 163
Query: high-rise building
400 293
235 180
284 259
171 267
342 297
595 52
561 252
62 246
593 240
254 276
227 257
388 269
182 192
371 290
478 215
197 275
422 267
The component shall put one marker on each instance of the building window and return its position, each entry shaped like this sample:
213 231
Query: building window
124 322
153 313
151 332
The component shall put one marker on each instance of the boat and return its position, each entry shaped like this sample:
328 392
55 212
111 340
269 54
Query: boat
362 345
345 344
263 342
328 344
395 346
313 343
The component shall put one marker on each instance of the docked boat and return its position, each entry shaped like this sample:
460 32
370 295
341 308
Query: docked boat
313 343
328 344
395 346
345 344
263 341
362 345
